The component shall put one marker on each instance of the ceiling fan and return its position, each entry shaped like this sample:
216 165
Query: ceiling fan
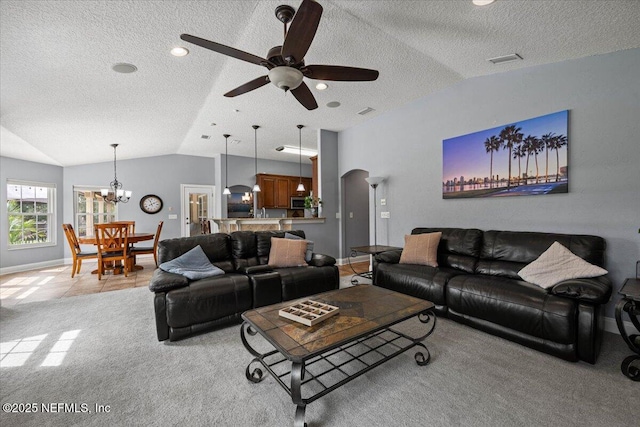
286 63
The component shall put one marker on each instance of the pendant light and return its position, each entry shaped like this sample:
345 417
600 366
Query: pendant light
226 165
300 185
256 187
115 193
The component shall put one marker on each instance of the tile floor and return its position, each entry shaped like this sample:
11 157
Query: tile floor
56 282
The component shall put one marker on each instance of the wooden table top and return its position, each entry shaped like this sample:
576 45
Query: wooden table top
631 289
363 310
132 238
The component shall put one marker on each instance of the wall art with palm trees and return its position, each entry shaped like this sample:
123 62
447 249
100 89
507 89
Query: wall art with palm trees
519 159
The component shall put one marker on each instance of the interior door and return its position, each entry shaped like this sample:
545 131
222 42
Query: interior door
197 206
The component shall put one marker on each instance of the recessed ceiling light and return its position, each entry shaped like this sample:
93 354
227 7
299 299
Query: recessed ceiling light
321 86
206 137
213 124
124 68
235 141
366 111
294 150
179 51
482 2
333 104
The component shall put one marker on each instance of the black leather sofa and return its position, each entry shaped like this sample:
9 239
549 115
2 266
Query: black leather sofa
184 307
477 283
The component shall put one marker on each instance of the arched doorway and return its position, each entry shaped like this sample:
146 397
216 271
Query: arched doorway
355 210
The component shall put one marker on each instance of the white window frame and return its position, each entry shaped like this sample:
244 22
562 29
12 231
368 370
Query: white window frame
52 220
77 215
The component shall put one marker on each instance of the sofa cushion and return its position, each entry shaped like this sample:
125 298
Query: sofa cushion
208 299
216 246
421 249
298 282
287 253
420 281
514 304
505 253
193 265
557 264
459 248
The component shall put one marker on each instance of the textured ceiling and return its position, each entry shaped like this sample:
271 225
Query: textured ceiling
61 103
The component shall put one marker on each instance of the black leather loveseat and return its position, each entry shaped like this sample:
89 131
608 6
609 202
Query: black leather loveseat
184 307
477 283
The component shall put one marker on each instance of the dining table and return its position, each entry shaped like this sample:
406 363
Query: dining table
132 238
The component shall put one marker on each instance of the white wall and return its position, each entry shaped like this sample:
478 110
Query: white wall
602 94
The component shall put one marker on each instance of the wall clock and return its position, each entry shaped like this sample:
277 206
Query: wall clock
151 204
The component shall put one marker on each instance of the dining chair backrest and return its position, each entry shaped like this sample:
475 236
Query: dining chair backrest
130 224
205 226
112 239
70 234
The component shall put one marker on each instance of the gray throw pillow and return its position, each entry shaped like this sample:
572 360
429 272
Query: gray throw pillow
309 253
193 265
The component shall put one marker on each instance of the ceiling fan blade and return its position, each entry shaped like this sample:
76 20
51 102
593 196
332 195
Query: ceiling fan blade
301 31
305 97
248 87
225 50
339 73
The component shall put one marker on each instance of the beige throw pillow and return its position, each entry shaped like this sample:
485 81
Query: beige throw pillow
287 252
557 264
421 249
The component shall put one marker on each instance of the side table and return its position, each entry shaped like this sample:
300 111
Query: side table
630 304
372 251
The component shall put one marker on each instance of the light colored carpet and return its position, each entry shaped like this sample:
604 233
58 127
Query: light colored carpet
107 354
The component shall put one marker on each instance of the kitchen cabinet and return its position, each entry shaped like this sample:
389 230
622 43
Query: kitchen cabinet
277 190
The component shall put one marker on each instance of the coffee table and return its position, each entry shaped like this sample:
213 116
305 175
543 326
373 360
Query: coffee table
311 361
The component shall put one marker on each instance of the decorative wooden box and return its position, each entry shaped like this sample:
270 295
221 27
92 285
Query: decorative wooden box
309 312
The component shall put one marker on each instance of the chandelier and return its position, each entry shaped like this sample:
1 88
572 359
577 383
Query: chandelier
115 193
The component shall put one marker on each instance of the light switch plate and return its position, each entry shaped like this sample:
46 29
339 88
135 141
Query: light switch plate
385 215
173 216
383 202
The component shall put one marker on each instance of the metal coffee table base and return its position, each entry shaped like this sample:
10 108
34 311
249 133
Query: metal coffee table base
310 379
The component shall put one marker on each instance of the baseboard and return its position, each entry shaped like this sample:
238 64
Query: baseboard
610 325
34 266
353 260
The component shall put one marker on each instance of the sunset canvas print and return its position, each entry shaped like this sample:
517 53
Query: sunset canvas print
526 158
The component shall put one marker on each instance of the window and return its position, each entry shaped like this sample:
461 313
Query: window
90 208
31 209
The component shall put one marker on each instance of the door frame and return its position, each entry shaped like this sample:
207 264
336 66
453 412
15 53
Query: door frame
211 207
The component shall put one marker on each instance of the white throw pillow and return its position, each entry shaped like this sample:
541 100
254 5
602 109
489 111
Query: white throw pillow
557 264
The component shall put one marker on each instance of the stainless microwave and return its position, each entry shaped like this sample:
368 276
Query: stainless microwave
297 203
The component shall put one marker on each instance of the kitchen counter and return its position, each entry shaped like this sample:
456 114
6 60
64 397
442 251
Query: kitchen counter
227 225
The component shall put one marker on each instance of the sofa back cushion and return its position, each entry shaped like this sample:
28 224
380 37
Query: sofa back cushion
459 247
244 249
504 253
216 246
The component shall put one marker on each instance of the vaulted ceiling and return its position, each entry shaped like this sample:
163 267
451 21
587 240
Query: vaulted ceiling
61 102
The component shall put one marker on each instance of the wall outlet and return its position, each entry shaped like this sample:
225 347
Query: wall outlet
350 214
385 215
173 216
383 202
337 215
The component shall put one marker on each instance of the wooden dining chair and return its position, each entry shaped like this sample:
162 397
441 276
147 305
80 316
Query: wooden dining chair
205 226
150 250
76 252
113 245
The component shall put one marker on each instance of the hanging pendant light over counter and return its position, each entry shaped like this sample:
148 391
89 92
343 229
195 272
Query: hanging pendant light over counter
226 165
300 185
256 187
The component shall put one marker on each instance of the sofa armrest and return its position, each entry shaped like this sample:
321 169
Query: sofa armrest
595 290
320 260
389 257
162 281
255 269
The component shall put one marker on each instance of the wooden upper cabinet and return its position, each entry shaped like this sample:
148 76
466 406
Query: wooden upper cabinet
277 190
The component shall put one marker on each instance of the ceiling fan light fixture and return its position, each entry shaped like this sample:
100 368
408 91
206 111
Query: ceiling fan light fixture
482 2
285 78
322 86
